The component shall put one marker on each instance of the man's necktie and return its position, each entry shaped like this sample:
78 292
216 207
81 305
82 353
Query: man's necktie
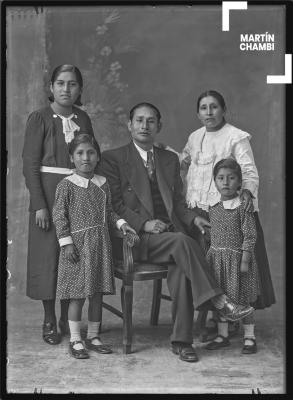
150 166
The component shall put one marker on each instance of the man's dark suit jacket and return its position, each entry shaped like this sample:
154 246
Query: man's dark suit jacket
131 196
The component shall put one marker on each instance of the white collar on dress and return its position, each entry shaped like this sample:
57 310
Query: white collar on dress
232 203
143 153
84 182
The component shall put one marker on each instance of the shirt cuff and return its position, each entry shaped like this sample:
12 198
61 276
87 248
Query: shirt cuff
120 222
65 240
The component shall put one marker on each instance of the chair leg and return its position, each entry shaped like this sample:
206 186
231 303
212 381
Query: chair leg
100 326
127 301
101 317
156 303
201 325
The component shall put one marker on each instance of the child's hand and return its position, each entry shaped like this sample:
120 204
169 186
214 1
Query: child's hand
130 234
127 228
71 253
244 267
246 257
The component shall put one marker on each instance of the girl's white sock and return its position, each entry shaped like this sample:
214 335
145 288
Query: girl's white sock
248 334
92 331
74 327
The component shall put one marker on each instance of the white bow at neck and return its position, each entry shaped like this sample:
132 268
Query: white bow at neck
69 127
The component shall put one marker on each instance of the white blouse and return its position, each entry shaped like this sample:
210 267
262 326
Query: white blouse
203 150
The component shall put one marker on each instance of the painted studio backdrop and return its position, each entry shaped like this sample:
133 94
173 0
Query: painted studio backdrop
166 55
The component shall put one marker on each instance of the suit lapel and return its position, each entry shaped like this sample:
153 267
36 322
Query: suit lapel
138 178
166 193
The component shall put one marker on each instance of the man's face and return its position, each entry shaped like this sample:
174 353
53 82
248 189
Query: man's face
144 127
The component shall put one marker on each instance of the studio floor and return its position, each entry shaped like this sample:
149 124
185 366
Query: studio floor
35 366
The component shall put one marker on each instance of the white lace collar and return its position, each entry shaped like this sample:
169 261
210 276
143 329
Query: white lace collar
232 203
68 126
84 182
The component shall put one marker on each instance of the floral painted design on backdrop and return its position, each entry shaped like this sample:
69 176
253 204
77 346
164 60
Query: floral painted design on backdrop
105 93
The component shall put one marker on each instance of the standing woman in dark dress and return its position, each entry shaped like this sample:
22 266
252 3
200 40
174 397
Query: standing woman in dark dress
46 162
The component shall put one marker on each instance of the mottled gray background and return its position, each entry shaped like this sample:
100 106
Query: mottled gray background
166 55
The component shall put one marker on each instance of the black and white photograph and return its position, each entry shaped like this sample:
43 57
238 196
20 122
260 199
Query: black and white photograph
145 197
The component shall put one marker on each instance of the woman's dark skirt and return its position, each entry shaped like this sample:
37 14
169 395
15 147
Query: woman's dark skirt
43 248
267 296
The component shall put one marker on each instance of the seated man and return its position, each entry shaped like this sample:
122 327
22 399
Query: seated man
146 190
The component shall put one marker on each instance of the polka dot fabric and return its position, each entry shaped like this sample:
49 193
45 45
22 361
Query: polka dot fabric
233 230
85 214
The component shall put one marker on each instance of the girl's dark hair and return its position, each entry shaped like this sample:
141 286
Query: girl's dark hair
228 163
214 94
67 68
139 105
84 138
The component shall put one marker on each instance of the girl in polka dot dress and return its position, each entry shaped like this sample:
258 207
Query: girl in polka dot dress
231 254
83 214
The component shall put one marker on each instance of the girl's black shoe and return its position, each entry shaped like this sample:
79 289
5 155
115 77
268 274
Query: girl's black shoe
79 354
50 334
214 345
99 348
249 348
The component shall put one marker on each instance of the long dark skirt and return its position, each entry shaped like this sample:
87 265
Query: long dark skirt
43 248
267 296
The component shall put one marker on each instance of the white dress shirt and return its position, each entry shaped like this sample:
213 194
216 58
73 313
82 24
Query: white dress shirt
143 153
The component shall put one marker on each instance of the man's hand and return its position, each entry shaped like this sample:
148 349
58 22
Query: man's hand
201 223
42 219
71 253
247 196
155 226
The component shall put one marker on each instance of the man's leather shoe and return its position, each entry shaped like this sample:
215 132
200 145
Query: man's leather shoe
249 348
214 345
186 352
99 348
234 312
79 354
50 334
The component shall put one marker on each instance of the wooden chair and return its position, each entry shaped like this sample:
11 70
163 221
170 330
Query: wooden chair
126 269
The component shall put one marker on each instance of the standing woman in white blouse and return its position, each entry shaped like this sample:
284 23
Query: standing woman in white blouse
46 161
216 140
